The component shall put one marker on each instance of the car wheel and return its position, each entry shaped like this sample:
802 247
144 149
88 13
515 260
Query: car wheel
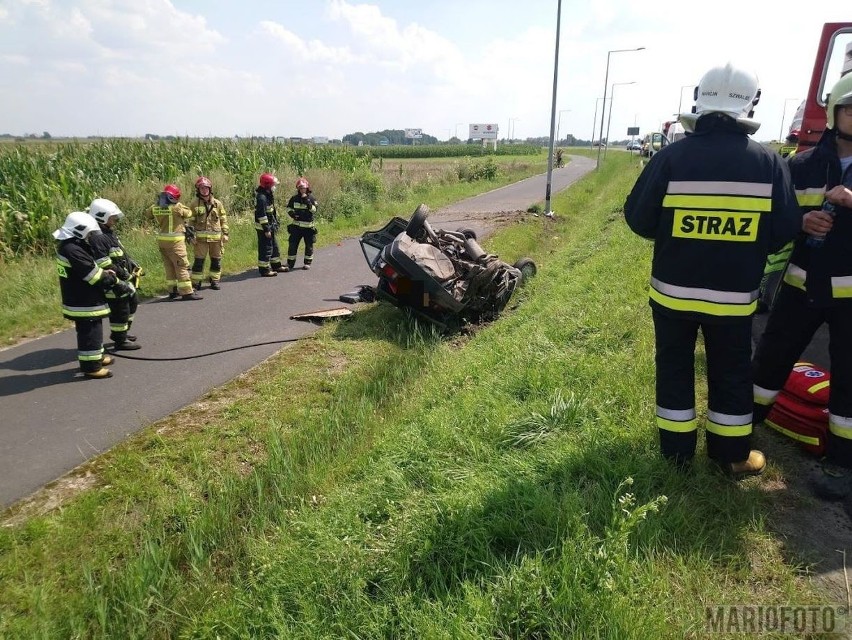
468 233
527 268
418 219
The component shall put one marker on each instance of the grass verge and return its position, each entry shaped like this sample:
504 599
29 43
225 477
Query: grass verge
378 481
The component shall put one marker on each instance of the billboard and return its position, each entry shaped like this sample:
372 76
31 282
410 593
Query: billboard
414 134
633 131
483 131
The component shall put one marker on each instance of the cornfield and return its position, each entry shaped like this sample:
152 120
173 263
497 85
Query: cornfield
40 185
447 150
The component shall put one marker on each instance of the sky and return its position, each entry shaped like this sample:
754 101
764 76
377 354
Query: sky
331 67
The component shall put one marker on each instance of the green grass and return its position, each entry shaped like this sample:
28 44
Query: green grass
499 484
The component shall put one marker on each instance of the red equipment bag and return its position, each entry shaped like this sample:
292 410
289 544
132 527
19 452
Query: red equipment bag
800 411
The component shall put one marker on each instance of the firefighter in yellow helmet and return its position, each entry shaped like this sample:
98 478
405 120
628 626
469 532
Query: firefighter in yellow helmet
211 234
715 204
170 217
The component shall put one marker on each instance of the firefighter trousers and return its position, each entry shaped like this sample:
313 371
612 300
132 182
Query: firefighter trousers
201 249
297 235
121 312
268 253
789 330
727 349
176 265
90 343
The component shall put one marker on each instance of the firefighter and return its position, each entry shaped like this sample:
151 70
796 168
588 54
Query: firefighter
715 205
170 216
266 225
817 286
301 208
83 284
211 234
110 254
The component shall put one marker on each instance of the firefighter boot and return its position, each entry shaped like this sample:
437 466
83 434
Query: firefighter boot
107 360
831 483
173 294
126 345
751 466
214 284
191 296
103 372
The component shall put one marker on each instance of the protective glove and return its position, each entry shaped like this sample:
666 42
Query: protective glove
123 289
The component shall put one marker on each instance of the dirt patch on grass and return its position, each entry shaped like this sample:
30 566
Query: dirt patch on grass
816 534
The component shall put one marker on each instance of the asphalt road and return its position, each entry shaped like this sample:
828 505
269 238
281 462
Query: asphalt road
54 419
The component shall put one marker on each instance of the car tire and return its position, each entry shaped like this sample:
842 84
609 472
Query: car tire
527 268
418 219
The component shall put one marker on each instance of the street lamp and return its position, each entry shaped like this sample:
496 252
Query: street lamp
559 124
680 100
609 119
783 115
594 123
606 80
512 122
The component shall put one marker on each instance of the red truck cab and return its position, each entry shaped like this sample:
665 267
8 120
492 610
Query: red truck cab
834 58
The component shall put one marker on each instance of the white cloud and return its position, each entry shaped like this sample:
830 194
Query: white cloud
311 51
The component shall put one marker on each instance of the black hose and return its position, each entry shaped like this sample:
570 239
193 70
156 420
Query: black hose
118 354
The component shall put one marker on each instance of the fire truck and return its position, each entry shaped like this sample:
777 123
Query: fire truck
833 59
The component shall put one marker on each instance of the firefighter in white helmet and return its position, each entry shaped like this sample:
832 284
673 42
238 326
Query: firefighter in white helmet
817 287
715 204
83 284
110 254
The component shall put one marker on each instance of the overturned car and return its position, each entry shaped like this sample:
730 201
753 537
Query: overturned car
442 276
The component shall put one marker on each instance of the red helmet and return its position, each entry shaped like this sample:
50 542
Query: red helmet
203 182
301 183
267 181
172 190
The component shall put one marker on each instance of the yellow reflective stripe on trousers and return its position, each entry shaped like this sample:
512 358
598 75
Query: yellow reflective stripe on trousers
841 426
676 420
763 396
728 425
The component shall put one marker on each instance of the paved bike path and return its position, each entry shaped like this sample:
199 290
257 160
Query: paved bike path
52 419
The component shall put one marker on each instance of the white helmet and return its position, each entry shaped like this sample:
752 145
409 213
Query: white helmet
840 95
77 225
729 90
102 210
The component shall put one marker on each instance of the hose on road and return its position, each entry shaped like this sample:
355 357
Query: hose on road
119 354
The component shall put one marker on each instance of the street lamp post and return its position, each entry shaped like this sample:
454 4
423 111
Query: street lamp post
559 123
512 122
547 210
606 81
680 99
609 119
783 115
595 123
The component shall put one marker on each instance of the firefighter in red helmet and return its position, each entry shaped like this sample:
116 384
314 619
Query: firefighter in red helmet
301 208
211 234
170 217
266 225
